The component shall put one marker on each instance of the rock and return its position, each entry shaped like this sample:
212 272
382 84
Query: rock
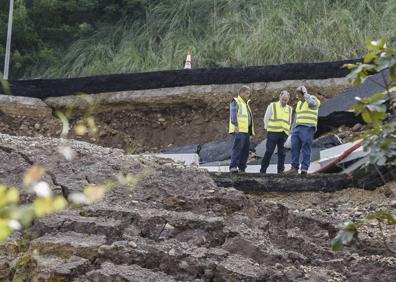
278 266
72 221
172 252
169 227
68 244
237 268
57 269
393 204
343 134
132 244
111 272
357 127
294 275
342 128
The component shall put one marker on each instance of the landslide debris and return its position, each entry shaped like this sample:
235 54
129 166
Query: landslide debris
175 225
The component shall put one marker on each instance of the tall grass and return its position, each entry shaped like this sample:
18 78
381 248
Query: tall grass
229 33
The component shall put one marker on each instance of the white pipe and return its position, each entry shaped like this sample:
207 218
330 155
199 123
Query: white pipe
8 46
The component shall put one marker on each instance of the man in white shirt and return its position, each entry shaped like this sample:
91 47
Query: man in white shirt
277 122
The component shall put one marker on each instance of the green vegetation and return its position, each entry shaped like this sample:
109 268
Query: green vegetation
56 38
379 113
379 110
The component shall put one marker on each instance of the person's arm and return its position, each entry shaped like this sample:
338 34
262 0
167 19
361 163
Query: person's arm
234 113
267 115
310 99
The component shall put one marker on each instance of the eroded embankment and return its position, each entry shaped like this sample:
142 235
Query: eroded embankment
177 225
148 120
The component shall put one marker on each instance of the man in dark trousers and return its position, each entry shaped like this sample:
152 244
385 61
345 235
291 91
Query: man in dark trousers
277 122
242 126
305 124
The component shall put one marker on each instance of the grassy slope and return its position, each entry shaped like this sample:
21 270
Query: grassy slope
229 33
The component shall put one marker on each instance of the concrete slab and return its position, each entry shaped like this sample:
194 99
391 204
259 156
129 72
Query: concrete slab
326 156
346 100
336 151
358 164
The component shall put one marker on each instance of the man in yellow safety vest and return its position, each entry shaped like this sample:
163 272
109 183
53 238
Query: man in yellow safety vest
305 124
277 122
242 126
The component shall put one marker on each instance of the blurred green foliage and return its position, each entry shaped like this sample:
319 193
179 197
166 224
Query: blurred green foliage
379 112
57 38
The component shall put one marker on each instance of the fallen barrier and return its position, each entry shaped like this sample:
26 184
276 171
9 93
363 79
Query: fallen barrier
368 178
256 182
43 88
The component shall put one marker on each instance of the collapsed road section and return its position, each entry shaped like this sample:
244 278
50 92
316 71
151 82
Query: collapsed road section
182 119
152 119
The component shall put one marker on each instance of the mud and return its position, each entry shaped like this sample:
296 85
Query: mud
178 225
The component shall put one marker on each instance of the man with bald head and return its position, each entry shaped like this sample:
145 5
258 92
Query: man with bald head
277 122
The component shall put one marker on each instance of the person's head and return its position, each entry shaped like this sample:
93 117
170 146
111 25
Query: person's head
284 97
244 92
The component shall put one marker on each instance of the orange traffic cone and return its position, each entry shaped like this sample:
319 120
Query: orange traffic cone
187 65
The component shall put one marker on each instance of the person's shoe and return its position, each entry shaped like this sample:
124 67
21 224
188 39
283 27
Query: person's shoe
292 171
263 171
234 170
304 171
281 172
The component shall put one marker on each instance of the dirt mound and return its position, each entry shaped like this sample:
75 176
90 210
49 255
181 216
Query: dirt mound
175 225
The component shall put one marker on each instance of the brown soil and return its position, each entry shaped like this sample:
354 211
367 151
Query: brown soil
177 225
150 120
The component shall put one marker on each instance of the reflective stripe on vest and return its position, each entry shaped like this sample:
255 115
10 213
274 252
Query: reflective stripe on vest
305 115
243 117
280 120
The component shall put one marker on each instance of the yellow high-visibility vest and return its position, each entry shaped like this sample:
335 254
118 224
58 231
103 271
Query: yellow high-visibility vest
305 115
243 117
280 120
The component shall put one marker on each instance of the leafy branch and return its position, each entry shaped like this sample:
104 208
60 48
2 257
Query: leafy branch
378 112
349 231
